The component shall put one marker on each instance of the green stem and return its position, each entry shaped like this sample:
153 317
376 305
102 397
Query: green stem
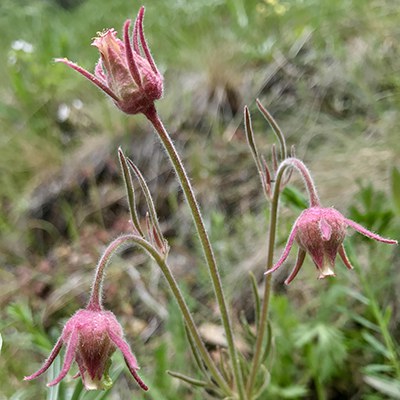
267 289
176 161
314 202
191 324
308 181
95 299
321 395
95 296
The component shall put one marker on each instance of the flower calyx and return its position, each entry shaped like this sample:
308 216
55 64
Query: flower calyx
320 232
126 70
91 336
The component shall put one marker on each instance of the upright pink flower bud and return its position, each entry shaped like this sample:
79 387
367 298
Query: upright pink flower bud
126 71
320 232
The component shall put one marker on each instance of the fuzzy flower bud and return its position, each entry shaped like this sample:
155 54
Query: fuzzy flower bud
126 71
320 232
91 337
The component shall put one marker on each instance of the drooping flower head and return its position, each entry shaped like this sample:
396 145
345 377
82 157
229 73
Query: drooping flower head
91 336
320 232
126 70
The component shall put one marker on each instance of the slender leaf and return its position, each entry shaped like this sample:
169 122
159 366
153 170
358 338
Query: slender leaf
187 379
250 138
149 199
256 296
54 370
268 345
195 352
245 325
275 127
372 369
377 345
265 378
389 387
130 191
223 366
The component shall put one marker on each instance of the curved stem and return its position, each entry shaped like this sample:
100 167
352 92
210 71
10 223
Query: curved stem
267 288
314 202
162 263
305 173
95 296
193 329
176 161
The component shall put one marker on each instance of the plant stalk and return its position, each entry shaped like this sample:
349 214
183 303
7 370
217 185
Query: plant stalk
176 161
95 298
267 289
95 301
314 202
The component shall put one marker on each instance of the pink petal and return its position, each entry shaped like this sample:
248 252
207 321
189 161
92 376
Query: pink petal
128 356
325 228
92 78
69 357
144 43
125 349
130 59
317 255
48 362
286 251
345 259
99 72
135 36
299 262
137 377
368 233
81 367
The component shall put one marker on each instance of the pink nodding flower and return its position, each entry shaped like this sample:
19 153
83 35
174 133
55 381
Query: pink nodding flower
91 336
320 232
126 71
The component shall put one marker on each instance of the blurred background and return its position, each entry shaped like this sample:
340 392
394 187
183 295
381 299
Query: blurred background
328 71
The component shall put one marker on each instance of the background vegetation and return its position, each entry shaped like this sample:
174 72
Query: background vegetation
329 73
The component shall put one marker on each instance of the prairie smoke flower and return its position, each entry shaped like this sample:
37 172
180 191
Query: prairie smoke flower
320 232
91 336
125 71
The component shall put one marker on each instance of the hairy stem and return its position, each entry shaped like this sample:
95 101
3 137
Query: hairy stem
176 161
185 312
95 298
305 174
314 202
267 289
95 301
